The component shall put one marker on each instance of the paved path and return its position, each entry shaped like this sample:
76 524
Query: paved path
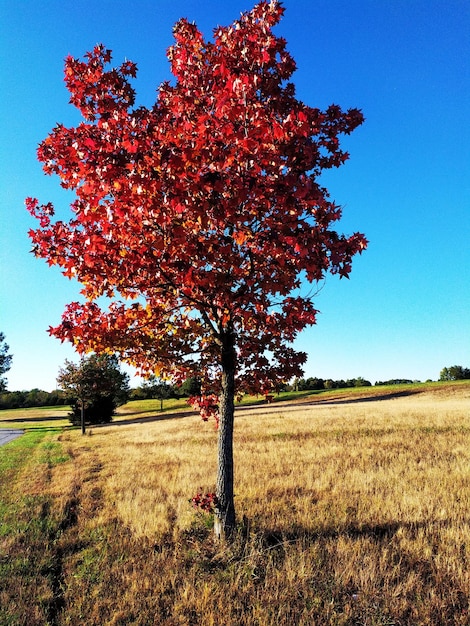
7 435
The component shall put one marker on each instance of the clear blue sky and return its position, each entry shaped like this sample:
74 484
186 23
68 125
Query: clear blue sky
405 312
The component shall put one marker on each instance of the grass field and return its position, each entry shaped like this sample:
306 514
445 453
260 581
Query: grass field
354 509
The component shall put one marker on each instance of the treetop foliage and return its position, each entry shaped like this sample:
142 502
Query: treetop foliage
198 218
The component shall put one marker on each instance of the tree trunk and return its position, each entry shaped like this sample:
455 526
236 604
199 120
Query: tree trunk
224 521
82 416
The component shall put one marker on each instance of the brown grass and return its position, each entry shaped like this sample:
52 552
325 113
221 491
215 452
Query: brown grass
356 511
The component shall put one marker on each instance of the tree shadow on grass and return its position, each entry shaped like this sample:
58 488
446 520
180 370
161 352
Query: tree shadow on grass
34 419
367 398
273 538
147 419
260 409
301 405
132 419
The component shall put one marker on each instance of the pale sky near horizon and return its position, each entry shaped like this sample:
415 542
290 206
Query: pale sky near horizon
405 312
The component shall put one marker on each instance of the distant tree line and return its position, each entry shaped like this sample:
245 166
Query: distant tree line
155 388
152 389
161 390
316 384
455 372
396 381
33 398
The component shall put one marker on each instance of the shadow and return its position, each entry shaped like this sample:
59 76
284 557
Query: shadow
126 421
259 406
34 419
147 420
155 412
369 398
308 402
130 413
46 429
379 532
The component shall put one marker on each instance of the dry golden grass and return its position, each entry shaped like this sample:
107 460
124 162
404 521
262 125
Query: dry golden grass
357 511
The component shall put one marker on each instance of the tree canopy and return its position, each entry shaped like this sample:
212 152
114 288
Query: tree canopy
95 387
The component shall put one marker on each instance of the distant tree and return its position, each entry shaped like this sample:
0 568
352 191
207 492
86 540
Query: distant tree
157 388
36 397
455 372
362 382
95 386
315 383
147 391
396 381
56 397
5 361
191 387
138 393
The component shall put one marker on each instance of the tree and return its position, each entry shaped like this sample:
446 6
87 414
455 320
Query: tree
362 382
190 388
455 372
156 388
95 386
5 361
199 218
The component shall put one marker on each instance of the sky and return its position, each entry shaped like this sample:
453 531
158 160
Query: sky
405 312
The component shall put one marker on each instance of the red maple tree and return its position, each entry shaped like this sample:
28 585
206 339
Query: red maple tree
199 218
